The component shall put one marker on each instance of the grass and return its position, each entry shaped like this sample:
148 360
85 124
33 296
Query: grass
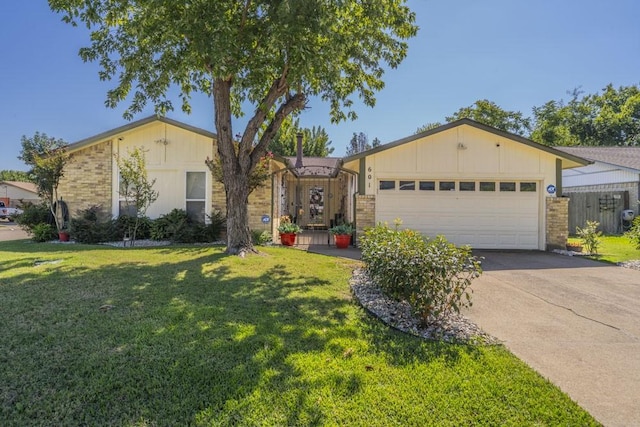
188 336
614 249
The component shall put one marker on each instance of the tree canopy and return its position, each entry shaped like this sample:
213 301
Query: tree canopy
489 113
12 175
47 157
273 54
610 118
360 142
315 141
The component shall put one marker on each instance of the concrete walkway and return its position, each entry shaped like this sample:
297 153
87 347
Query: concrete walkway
350 252
575 321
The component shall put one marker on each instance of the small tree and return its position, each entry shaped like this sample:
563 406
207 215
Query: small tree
47 158
590 236
135 186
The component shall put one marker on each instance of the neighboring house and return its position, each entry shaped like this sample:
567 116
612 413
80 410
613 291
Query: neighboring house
613 169
14 193
607 186
470 182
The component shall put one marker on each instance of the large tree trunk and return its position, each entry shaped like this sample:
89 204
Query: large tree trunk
238 165
235 168
238 232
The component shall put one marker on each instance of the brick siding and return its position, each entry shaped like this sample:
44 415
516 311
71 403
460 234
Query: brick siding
365 213
87 179
557 219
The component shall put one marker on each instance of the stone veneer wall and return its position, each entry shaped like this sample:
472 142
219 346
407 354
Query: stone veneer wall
557 219
87 179
365 213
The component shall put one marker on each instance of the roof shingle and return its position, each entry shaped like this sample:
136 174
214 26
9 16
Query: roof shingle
628 157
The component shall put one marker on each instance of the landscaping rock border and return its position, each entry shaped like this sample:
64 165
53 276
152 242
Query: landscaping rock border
397 314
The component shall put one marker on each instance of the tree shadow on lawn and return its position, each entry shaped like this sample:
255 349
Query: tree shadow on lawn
190 342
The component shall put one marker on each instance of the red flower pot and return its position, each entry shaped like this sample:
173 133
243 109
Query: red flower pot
63 236
342 240
288 239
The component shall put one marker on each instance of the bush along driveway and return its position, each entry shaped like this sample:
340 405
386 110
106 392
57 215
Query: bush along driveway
574 320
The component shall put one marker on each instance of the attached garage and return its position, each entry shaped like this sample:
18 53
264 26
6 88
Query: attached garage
472 183
483 214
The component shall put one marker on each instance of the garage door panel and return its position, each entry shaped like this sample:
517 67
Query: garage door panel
489 220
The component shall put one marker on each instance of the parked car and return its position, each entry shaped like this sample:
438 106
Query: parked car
7 212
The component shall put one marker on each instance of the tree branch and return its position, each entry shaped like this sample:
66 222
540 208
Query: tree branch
278 89
294 103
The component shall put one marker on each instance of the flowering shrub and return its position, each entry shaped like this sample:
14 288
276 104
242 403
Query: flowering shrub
432 275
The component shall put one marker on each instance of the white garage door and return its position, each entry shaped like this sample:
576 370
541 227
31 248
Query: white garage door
483 214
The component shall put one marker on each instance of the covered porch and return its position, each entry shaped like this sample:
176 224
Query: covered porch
317 195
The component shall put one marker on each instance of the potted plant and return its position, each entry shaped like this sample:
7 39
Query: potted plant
63 232
342 235
63 235
288 231
574 246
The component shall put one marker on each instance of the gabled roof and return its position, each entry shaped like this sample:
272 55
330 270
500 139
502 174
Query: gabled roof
477 125
27 186
315 166
626 157
122 129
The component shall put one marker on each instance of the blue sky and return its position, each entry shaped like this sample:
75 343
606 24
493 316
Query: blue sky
519 54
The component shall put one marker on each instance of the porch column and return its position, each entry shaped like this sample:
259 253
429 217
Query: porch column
365 213
557 222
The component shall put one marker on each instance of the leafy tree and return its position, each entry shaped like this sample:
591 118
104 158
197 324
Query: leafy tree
552 125
428 126
610 118
489 113
47 158
360 142
273 54
11 175
135 186
315 141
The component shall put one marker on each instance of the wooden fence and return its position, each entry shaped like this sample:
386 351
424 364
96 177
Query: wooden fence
604 207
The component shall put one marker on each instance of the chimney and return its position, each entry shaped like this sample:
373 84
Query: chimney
299 150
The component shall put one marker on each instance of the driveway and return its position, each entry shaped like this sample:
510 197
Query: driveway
575 321
11 231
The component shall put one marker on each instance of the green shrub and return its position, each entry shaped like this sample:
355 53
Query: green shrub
123 225
590 236
172 226
217 224
33 215
261 237
92 226
634 232
432 275
177 226
43 232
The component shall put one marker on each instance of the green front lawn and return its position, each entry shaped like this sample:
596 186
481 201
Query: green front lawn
614 249
188 336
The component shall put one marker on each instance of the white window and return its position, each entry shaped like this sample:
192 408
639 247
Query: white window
196 192
125 208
